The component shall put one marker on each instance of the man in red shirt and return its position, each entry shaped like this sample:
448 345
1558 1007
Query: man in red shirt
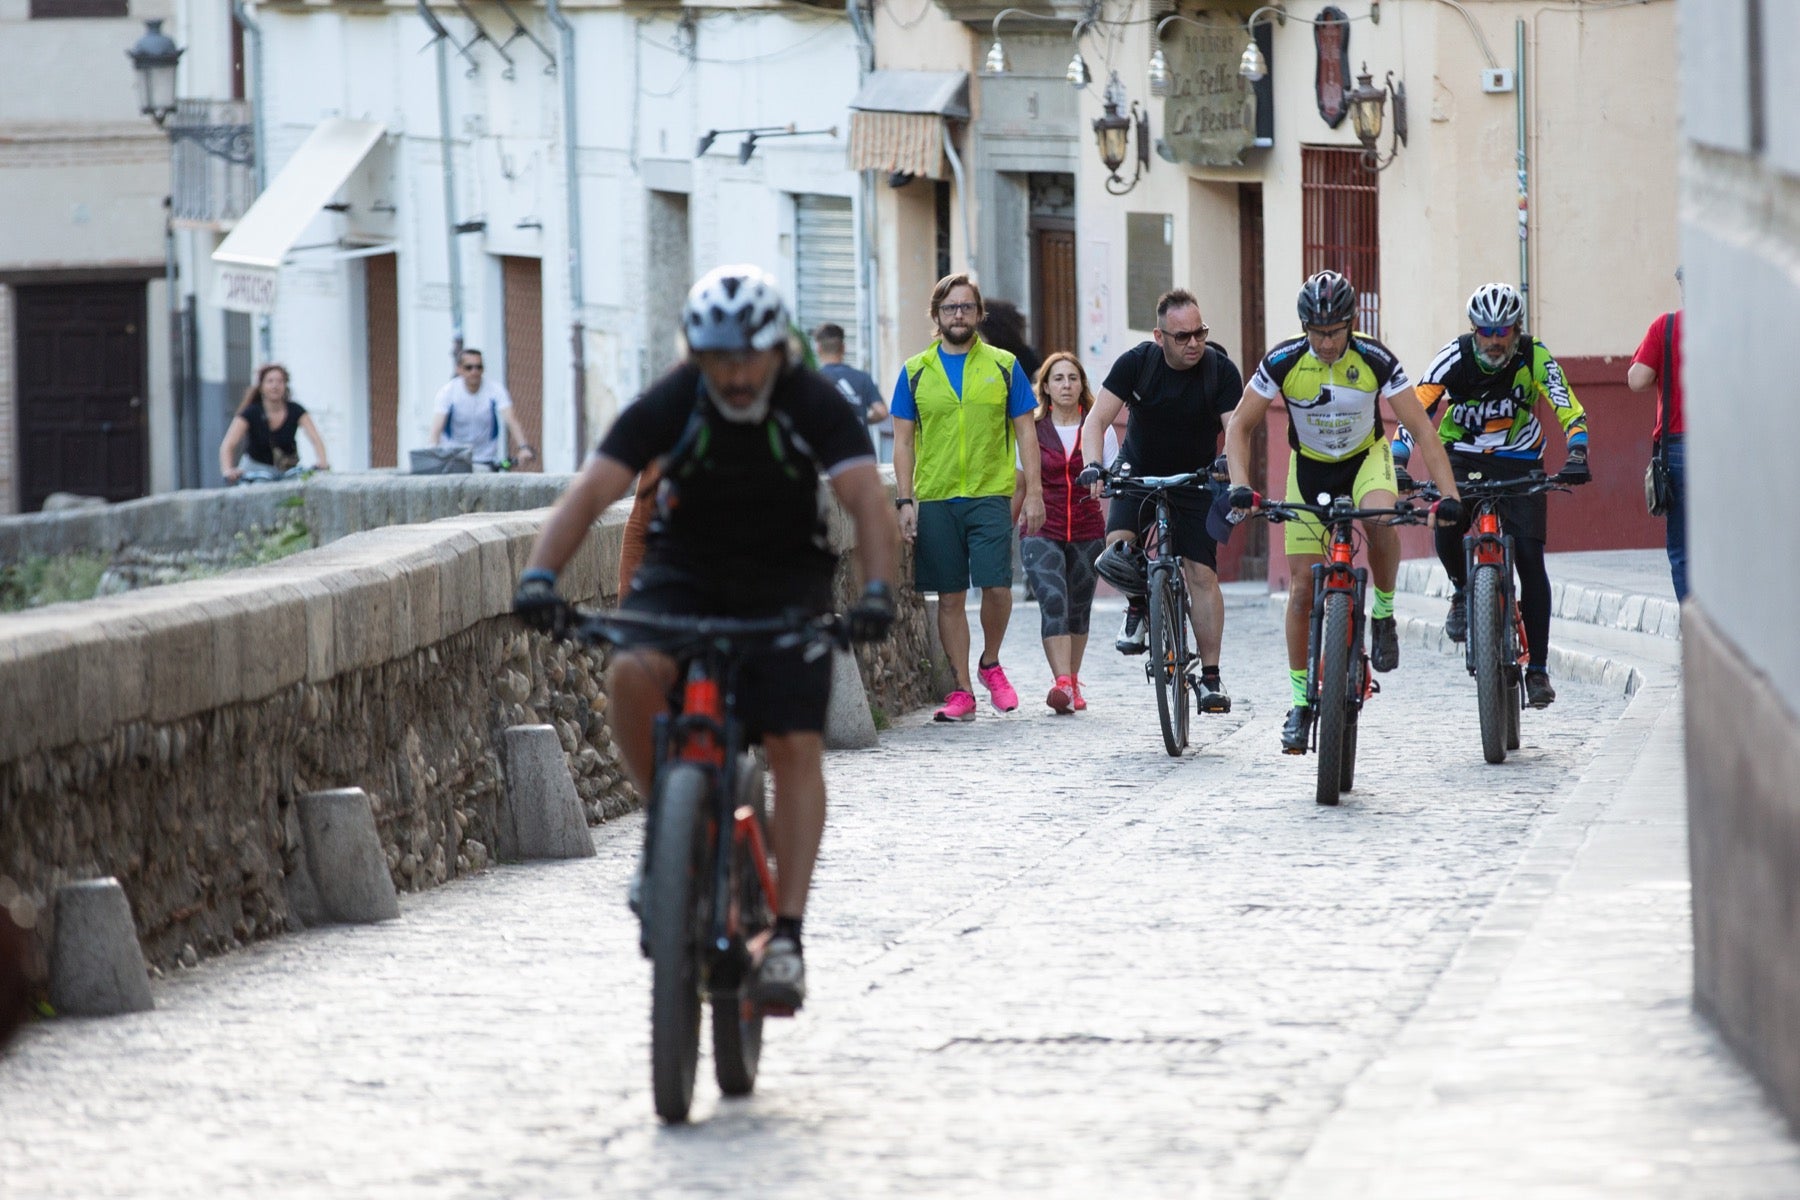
1658 360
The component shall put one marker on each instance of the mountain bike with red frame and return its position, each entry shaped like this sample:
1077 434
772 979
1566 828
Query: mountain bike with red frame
1496 652
708 893
1338 677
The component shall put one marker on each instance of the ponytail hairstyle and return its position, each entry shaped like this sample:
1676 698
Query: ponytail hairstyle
253 395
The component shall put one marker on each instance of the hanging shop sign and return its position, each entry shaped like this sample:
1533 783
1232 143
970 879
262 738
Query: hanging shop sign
1331 79
1209 119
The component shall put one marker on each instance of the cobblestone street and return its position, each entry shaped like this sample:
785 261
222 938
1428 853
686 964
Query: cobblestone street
1045 959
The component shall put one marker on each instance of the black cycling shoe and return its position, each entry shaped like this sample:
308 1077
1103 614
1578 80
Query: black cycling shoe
1210 695
781 976
1538 692
1384 655
1131 634
1294 733
1456 621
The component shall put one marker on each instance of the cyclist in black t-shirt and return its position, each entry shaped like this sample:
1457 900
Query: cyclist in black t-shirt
741 434
1178 390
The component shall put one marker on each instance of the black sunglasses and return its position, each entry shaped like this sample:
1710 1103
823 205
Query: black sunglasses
1186 336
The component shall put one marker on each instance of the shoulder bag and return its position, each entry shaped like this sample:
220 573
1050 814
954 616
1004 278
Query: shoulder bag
1659 491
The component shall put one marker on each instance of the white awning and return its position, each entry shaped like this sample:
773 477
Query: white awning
249 260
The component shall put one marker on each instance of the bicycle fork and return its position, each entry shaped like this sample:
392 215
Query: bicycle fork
1337 576
1486 546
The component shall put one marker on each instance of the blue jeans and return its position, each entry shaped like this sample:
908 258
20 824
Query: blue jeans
1677 518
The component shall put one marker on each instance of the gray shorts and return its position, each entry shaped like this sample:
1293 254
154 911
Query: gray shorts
963 543
1062 576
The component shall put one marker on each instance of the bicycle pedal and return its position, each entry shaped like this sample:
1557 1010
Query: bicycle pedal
778 1010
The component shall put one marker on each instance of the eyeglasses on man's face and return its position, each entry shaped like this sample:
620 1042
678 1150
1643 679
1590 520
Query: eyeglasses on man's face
957 310
1184 336
1493 331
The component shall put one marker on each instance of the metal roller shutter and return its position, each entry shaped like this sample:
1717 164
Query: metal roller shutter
825 268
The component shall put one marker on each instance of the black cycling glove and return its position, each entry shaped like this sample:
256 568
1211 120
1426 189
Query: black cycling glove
1403 482
1090 475
537 603
1448 511
1243 497
1575 467
873 616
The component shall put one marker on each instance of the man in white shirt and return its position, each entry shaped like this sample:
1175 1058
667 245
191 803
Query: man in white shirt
470 410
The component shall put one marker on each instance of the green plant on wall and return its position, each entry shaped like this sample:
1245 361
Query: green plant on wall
40 579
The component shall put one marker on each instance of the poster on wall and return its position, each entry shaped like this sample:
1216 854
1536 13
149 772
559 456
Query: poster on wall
1331 79
1209 119
1095 265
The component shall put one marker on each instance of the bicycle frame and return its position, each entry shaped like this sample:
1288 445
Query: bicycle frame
1486 545
1338 573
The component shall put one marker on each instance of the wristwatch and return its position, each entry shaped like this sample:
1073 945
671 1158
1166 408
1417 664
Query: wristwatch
902 501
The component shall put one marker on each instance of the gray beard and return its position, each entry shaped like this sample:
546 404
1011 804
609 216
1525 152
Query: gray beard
752 414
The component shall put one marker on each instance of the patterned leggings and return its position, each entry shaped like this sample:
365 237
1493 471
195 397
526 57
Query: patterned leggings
1062 576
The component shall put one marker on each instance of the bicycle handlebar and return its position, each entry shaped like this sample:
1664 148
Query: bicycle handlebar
1404 513
673 633
1115 483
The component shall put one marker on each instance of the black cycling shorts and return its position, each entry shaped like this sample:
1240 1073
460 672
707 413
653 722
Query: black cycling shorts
1187 523
778 692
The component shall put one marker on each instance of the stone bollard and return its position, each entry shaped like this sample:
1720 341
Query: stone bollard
343 875
543 817
849 725
96 965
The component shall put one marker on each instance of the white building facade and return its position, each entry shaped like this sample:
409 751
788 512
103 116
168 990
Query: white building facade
497 244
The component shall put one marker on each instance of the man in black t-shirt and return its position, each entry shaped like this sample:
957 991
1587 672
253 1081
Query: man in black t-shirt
1179 391
742 435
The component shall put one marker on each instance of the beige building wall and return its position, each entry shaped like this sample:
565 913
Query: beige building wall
1601 149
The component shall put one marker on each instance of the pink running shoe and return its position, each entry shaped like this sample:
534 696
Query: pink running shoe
1062 695
958 706
999 690
1075 690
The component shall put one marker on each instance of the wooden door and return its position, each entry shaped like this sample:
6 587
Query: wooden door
1054 306
381 292
82 424
522 281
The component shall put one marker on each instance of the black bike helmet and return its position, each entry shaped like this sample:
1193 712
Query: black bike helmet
1124 566
1326 299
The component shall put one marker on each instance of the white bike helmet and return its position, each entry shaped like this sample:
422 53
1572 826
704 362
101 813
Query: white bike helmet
735 308
1496 304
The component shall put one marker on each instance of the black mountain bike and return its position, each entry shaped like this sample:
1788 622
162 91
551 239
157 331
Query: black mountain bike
1495 652
1174 653
707 890
1338 678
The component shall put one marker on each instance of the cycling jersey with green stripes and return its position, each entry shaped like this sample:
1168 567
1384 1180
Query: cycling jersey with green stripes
1331 406
1495 411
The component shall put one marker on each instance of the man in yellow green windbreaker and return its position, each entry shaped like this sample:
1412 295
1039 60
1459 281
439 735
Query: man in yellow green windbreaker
963 415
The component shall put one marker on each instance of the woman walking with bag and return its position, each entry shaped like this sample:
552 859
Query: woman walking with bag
1059 559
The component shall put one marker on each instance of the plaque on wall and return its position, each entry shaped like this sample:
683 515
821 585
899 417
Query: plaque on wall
1331 81
1209 118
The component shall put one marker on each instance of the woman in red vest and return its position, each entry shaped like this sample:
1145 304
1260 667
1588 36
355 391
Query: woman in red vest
1059 559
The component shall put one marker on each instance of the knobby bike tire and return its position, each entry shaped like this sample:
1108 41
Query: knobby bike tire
1186 654
674 916
1165 663
1332 729
737 1022
1487 648
1347 768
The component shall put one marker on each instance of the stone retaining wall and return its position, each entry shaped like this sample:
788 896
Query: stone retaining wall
163 736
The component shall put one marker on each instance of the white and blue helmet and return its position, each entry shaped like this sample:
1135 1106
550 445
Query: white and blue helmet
736 308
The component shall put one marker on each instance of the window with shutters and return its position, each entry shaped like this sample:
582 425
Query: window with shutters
1341 225
825 269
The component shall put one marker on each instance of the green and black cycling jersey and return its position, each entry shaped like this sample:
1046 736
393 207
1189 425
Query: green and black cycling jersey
1496 411
1331 407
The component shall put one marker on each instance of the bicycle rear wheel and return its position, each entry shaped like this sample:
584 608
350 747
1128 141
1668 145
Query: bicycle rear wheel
1332 729
1168 660
1487 647
674 920
737 1022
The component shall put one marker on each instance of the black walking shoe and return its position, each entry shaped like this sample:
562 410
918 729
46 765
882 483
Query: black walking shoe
1456 621
1538 692
1384 655
1294 733
1131 633
1210 695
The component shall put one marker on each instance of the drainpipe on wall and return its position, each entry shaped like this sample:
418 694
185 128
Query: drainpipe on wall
265 322
865 275
572 198
962 194
1524 170
447 148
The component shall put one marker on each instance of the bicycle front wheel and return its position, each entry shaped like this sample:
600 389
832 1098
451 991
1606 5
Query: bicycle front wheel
1168 659
737 1021
1487 647
674 929
1332 731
